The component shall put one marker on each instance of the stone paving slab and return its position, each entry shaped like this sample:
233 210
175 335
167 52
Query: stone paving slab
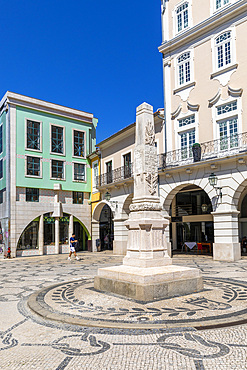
29 342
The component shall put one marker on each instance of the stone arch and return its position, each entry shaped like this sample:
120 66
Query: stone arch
82 224
27 221
239 195
98 209
126 204
170 196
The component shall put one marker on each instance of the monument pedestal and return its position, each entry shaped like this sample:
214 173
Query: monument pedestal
147 272
149 284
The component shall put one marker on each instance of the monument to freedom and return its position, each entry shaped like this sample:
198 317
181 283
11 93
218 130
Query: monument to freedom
147 272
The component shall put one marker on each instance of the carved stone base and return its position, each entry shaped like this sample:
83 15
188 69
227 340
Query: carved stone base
146 240
148 284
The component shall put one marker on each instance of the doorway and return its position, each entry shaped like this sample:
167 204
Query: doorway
106 228
80 235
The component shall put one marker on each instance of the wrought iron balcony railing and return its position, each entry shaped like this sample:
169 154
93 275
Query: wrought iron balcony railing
117 175
223 147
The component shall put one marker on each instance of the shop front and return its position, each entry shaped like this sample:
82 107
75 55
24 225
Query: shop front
50 235
243 226
192 228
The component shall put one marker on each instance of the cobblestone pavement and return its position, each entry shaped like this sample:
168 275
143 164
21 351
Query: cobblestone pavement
29 342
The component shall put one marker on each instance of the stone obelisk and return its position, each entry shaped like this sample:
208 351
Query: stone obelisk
147 272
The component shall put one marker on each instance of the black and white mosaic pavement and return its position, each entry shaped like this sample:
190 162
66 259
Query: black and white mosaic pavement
222 302
28 341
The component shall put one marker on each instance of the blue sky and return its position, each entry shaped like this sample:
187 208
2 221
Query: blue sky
97 56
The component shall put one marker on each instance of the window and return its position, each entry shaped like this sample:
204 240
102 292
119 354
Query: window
57 169
95 174
32 195
79 172
49 229
78 197
227 122
33 166
33 135
109 172
1 168
182 17
30 237
187 139
184 72
127 165
1 138
226 108
79 147
57 144
221 3
1 196
186 121
223 47
64 229
228 133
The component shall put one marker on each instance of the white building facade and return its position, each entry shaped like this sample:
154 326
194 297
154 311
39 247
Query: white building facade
202 140
205 88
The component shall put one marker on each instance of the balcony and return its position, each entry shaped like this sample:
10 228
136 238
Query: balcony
211 150
120 174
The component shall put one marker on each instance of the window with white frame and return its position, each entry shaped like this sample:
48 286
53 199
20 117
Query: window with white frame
57 169
1 138
182 17
57 140
95 174
33 133
184 68
186 121
227 120
187 139
33 166
220 3
79 172
1 168
79 144
223 44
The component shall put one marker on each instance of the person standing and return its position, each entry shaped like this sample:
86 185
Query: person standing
72 245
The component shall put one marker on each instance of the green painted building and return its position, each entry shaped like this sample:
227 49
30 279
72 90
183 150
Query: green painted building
45 176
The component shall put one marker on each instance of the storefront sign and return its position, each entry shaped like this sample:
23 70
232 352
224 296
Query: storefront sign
49 220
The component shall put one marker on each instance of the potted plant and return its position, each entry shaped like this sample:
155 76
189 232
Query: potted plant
196 150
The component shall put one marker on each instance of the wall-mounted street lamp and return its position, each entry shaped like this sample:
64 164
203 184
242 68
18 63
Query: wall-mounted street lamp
204 208
108 197
213 179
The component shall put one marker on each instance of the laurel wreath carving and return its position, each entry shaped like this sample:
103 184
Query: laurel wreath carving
149 134
152 181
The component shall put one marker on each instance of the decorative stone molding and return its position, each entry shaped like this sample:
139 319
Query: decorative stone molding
224 75
176 112
214 100
184 91
145 207
235 92
193 107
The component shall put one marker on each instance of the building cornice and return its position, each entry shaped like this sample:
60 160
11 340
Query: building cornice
51 108
126 131
206 26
